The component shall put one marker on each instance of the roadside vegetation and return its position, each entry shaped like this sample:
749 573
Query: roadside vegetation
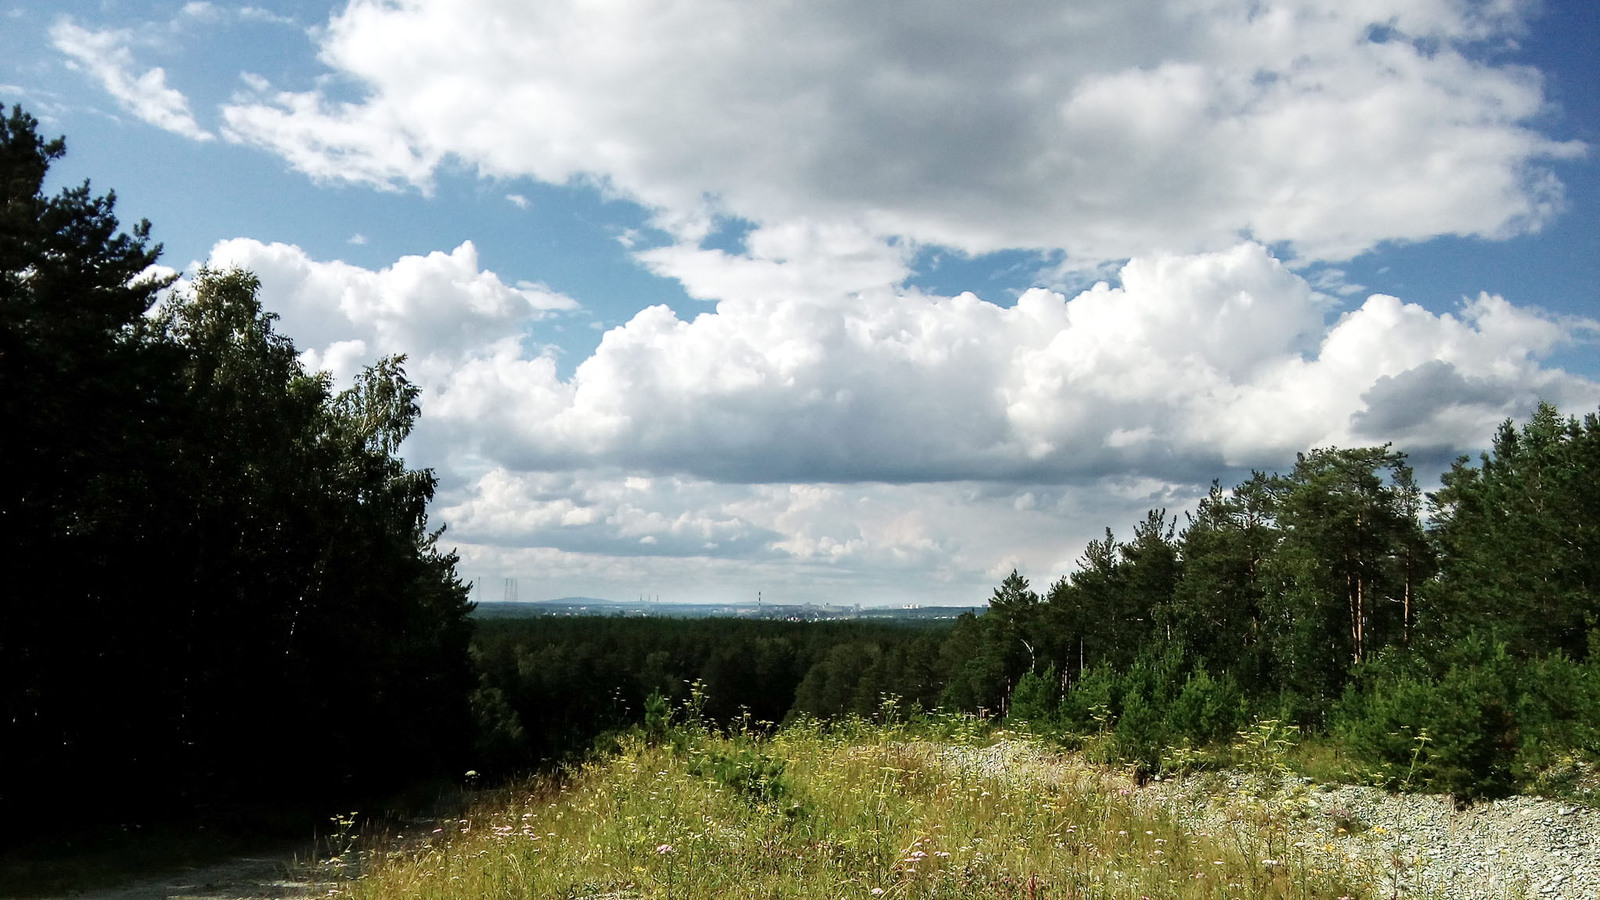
852 810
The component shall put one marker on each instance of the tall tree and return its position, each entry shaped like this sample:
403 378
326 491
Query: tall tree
82 381
1517 537
1106 609
1347 566
1216 609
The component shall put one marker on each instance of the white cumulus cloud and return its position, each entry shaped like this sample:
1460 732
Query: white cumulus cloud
824 425
1191 364
1108 130
438 309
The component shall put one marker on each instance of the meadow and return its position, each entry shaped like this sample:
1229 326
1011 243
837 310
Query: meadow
856 810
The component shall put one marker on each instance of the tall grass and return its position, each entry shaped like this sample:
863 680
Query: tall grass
857 811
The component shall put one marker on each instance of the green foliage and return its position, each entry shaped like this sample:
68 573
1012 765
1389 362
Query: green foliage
232 543
1557 711
1141 734
1475 722
1453 730
1033 700
1093 700
1107 609
498 735
570 679
1216 607
742 765
1207 709
84 503
1147 694
1344 576
1521 535
657 716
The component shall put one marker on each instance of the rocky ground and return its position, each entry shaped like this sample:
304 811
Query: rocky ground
1406 845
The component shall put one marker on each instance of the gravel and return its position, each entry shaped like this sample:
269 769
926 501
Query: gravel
1405 845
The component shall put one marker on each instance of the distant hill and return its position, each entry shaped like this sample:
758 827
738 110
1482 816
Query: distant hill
595 606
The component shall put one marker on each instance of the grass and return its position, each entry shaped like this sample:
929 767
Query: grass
856 811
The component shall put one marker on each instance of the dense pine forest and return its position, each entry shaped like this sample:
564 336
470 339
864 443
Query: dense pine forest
225 589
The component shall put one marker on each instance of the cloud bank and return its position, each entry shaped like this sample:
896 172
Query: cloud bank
824 425
1109 130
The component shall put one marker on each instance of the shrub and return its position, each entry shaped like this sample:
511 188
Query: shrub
1557 710
1033 700
1455 731
1092 703
1207 709
755 776
1141 733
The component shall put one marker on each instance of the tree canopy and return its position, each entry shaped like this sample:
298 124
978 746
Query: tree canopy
215 555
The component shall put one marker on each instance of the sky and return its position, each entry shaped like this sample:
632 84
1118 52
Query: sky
864 302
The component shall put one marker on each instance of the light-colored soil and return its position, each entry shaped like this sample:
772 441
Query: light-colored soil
1403 845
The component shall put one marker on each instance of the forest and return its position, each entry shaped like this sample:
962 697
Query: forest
1446 641
225 589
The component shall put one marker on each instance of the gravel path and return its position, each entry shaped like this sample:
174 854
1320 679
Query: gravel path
278 873
1406 845
241 878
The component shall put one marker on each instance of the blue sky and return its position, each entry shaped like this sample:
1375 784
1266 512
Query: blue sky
865 304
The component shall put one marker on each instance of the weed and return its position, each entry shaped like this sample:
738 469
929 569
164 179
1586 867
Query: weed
884 813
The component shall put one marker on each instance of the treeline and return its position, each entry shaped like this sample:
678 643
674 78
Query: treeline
548 686
221 585
1446 641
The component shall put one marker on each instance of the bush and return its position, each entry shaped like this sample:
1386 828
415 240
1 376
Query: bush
753 775
1141 733
499 741
1207 709
1557 710
1455 731
1092 703
1033 700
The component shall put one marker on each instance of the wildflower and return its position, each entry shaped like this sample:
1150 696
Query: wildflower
876 891
664 849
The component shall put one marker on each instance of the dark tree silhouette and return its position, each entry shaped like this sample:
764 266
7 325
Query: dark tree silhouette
222 586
